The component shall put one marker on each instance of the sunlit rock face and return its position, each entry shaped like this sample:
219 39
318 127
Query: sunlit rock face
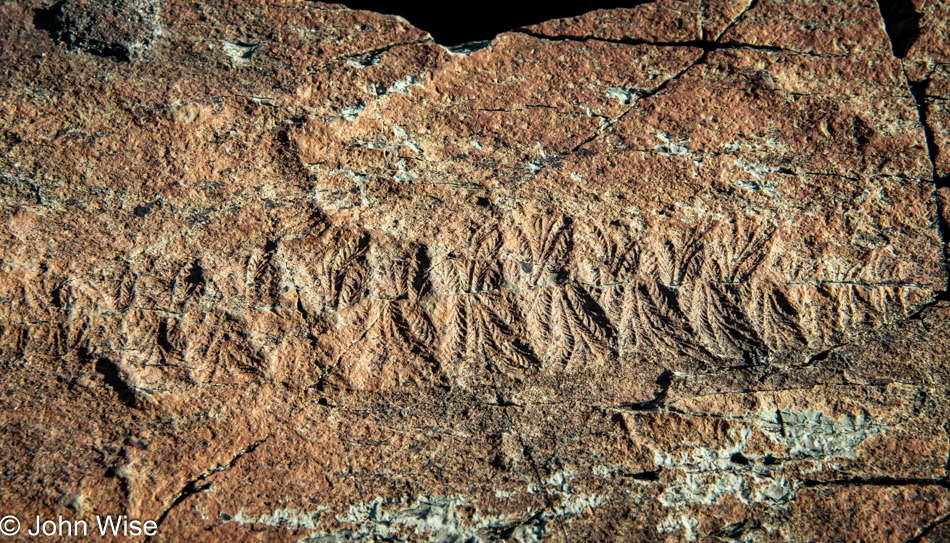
671 271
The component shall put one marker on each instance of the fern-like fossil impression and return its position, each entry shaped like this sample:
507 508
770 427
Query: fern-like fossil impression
329 268
476 318
525 293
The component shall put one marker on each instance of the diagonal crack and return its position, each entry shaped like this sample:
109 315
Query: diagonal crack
738 18
605 126
319 385
923 532
198 484
919 91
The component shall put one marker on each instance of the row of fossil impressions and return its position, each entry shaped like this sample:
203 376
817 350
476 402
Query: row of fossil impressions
339 298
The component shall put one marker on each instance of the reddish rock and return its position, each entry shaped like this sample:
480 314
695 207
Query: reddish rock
816 28
296 272
926 65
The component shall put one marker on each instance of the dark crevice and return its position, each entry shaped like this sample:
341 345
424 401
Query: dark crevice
820 356
740 459
659 88
198 484
195 280
49 19
781 423
576 149
902 24
944 234
644 476
141 211
420 283
706 46
737 531
481 21
945 295
665 381
919 91
57 295
112 376
193 487
502 401
368 57
161 339
735 21
303 313
877 481
75 24
84 356
925 531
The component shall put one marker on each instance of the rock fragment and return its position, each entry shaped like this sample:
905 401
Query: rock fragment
125 29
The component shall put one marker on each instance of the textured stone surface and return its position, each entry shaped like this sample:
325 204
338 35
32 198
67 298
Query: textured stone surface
125 29
928 68
297 272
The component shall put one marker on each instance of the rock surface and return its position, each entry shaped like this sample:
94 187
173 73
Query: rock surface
290 271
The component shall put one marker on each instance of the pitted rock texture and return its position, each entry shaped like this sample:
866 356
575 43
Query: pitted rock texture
296 272
928 68
126 29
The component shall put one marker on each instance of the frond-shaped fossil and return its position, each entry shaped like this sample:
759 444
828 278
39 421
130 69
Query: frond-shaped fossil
124 291
720 326
397 272
774 317
609 256
217 348
262 278
648 318
740 249
330 268
541 244
462 275
189 284
673 264
566 328
382 343
480 326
